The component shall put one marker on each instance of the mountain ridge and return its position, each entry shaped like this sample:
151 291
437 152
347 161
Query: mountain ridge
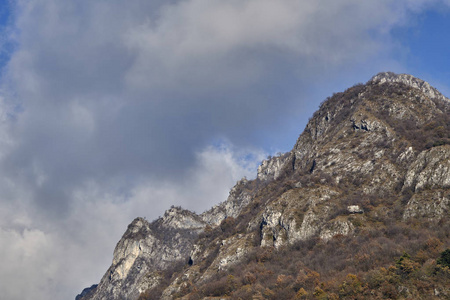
378 150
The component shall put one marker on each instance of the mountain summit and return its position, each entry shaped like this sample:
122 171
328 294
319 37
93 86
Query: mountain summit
358 209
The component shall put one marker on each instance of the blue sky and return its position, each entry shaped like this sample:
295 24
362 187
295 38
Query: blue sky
427 44
6 47
114 109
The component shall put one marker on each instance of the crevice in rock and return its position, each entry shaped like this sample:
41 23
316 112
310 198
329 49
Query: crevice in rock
312 167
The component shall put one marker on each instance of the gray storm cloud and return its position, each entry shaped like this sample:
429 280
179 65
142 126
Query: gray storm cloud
114 109
109 91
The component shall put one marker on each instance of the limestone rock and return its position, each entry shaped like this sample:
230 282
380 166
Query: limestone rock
432 205
355 209
336 227
146 248
272 167
298 215
87 292
431 169
411 81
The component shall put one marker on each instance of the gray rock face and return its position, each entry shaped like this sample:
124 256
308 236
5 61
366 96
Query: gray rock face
355 209
355 150
238 198
146 248
429 178
430 169
87 292
298 215
411 81
271 168
433 205
178 218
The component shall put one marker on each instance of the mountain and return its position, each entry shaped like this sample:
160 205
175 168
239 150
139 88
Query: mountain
358 209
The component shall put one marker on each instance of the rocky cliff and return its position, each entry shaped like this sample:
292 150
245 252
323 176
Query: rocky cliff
372 164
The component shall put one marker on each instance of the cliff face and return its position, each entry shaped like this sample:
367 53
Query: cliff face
373 157
144 250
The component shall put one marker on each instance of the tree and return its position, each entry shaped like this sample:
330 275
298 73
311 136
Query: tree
444 260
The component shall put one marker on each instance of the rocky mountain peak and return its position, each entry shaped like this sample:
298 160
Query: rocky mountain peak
179 218
409 80
137 229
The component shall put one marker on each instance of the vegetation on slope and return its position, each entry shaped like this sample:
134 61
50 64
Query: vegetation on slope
386 259
387 256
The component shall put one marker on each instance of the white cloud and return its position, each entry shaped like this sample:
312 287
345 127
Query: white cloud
28 265
215 171
194 41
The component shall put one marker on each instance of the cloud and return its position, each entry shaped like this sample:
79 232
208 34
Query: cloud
98 217
29 250
198 190
114 109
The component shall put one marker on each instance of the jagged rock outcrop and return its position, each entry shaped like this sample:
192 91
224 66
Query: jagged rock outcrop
297 215
429 204
239 197
87 292
411 81
272 167
430 169
144 250
374 156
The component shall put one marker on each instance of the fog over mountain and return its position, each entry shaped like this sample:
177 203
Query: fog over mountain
117 109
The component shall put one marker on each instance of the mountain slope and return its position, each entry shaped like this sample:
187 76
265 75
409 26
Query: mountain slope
367 182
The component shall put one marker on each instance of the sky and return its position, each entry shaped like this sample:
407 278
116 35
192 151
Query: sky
115 109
